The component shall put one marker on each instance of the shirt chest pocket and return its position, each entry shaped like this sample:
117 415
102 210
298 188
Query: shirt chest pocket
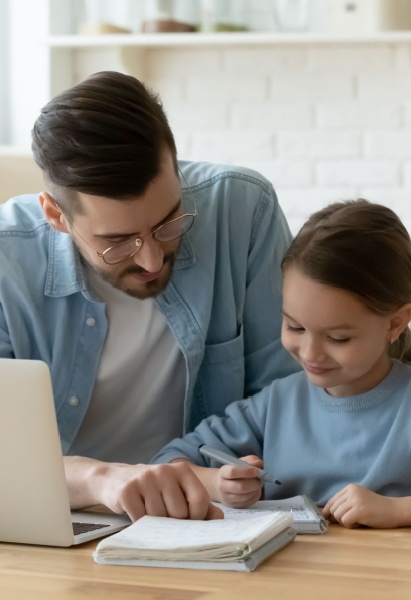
225 352
221 376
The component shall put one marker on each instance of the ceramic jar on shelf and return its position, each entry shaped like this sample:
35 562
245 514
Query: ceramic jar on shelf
224 15
168 16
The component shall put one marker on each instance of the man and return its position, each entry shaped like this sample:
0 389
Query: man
152 290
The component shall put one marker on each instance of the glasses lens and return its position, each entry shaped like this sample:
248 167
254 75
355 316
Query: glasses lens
166 233
121 252
174 229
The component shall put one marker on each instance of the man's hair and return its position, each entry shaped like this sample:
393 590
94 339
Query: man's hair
105 136
362 248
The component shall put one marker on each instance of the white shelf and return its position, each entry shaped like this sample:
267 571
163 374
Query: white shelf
216 39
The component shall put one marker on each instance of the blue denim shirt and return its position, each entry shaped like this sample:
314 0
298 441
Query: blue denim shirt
223 303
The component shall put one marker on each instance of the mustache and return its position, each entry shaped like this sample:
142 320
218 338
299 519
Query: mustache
135 269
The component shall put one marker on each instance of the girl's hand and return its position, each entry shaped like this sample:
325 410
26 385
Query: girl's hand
355 505
237 486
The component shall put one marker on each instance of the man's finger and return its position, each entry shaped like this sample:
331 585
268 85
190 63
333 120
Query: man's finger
134 507
191 495
198 498
214 513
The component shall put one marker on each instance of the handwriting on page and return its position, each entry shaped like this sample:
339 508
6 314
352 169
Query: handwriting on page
165 533
298 511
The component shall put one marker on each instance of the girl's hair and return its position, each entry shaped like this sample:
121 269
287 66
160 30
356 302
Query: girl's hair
362 248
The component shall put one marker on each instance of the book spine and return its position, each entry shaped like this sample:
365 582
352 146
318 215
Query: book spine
261 554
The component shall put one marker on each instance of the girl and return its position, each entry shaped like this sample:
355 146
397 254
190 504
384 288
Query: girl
340 430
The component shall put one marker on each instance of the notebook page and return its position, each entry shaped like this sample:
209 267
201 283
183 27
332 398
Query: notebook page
165 533
302 509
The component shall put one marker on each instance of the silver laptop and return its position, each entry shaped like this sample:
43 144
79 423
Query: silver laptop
34 504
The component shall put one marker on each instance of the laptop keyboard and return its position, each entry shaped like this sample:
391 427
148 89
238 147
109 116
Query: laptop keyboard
86 527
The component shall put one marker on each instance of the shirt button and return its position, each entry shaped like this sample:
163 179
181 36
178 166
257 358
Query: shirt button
73 401
91 321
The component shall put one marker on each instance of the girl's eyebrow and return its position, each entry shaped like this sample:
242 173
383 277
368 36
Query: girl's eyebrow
137 234
288 316
341 326
334 327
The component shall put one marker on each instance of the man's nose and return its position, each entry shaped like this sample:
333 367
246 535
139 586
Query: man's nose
150 257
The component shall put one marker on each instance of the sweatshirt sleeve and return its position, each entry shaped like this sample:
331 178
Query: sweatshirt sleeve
239 432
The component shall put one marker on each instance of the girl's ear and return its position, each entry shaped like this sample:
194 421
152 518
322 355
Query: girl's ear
399 321
53 213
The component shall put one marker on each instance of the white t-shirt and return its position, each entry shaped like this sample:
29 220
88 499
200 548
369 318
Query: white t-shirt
138 398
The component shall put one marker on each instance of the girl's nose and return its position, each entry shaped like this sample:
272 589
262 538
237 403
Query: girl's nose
311 350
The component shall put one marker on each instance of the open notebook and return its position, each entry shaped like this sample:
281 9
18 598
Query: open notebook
34 503
307 516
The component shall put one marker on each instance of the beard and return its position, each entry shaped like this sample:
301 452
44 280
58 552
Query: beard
142 290
149 289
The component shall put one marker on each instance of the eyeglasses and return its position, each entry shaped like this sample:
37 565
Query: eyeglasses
167 232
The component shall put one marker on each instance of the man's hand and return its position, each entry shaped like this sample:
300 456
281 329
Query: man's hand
170 490
355 505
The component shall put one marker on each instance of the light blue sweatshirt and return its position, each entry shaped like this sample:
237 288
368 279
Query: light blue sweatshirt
313 443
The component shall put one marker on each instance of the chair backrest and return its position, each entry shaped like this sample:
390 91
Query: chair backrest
19 174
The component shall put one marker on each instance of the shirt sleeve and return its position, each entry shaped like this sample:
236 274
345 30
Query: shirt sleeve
238 432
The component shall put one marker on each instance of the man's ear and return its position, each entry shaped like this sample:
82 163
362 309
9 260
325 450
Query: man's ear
53 213
399 321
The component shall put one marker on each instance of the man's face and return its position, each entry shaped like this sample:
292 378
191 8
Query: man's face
106 222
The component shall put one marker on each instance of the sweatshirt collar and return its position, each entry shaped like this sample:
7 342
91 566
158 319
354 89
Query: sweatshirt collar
370 399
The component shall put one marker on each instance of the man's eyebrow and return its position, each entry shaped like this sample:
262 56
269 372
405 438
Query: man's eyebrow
138 233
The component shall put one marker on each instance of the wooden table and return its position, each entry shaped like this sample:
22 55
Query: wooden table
341 564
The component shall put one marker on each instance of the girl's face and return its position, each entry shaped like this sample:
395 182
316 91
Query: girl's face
339 342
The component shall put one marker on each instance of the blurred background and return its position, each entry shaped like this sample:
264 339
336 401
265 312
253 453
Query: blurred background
315 94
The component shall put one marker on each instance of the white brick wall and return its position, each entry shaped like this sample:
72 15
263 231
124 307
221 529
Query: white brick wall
322 122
